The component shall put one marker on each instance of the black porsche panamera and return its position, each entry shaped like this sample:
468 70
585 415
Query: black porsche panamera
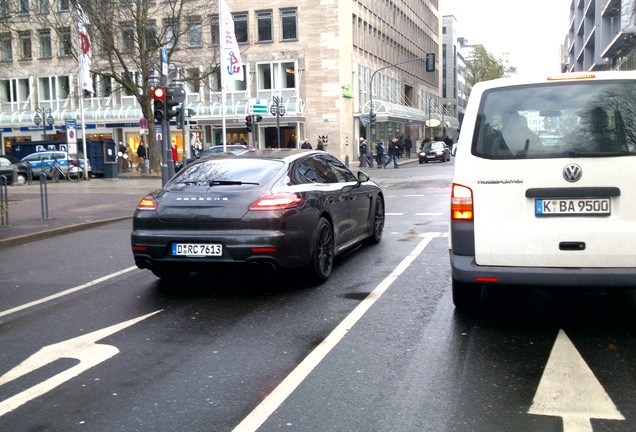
281 208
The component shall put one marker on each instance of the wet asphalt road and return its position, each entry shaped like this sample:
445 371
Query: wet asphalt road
379 347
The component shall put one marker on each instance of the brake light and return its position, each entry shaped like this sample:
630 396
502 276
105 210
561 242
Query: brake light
281 201
571 77
486 279
147 203
461 203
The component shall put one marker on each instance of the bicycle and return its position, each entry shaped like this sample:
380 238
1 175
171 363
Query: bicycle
73 173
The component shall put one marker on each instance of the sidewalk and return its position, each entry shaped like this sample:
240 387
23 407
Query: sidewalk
77 206
72 206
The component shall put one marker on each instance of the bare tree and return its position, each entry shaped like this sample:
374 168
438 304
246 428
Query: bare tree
127 36
126 39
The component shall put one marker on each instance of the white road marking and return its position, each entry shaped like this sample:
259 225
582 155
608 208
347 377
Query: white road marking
83 348
569 389
64 293
274 400
393 214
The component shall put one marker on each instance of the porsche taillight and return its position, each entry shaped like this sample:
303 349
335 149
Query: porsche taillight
281 201
147 203
461 203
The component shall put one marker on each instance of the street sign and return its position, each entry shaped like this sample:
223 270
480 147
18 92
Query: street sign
143 123
71 138
158 130
257 106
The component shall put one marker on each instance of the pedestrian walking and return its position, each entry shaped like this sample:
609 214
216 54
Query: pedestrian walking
408 145
141 155
362 148
379 153
122 156
394 149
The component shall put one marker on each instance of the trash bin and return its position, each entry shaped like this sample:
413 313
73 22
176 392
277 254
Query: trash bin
111 170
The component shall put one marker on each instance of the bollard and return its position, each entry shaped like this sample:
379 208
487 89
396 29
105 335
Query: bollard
347 161
4 201
44 197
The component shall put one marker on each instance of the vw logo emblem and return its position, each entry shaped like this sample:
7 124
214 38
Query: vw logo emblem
572 173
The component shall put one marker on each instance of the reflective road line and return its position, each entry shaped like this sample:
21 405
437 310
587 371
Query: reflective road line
64 293
271 403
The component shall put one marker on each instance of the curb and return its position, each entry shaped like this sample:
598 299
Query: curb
13 241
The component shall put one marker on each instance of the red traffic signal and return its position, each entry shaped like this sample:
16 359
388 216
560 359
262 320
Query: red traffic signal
159 93
248 119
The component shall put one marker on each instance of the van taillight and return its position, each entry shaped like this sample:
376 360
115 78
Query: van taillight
461 203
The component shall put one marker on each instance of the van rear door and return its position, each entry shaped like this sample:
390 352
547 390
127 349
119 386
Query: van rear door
562 202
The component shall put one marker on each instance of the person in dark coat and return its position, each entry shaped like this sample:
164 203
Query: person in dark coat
394 150
408 145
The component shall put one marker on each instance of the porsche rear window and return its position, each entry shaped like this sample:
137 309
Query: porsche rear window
229 170
563 119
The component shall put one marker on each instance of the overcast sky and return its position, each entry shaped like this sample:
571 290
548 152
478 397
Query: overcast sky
531 32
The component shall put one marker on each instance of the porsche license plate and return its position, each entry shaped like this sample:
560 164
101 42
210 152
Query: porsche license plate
572 207
196 249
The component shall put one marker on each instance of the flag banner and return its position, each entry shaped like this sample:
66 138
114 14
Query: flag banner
231 67
84 52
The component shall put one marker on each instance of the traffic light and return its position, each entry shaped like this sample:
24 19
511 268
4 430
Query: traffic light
430 62
257 118
159 95
248 123
171 106
372 118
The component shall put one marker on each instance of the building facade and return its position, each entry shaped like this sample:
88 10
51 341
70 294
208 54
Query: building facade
455 89
323 61
601 36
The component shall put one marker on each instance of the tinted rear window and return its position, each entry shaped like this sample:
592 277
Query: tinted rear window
564 119
229 169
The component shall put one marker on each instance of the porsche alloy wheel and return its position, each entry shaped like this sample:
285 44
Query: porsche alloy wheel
322 255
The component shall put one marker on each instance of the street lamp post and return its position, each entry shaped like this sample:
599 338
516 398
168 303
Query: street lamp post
430 67
277 109
45 117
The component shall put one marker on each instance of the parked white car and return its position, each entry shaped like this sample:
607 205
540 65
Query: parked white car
45 159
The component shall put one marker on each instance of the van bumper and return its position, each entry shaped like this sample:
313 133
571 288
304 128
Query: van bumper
464 269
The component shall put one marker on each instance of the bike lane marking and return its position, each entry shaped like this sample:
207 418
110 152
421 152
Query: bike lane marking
275 399
83 348
65 293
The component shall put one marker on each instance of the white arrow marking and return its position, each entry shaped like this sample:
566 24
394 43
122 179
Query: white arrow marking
83 348
569 389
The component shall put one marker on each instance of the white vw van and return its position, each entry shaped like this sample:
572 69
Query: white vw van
543 186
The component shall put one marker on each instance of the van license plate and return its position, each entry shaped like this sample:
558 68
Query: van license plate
196 249
572 207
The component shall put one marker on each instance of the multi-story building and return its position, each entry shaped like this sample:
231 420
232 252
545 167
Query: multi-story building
323 60
454 86
602 35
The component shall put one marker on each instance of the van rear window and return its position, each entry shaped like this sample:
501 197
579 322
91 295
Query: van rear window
557 119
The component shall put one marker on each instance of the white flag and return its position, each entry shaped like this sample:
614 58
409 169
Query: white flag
84 52
231 67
